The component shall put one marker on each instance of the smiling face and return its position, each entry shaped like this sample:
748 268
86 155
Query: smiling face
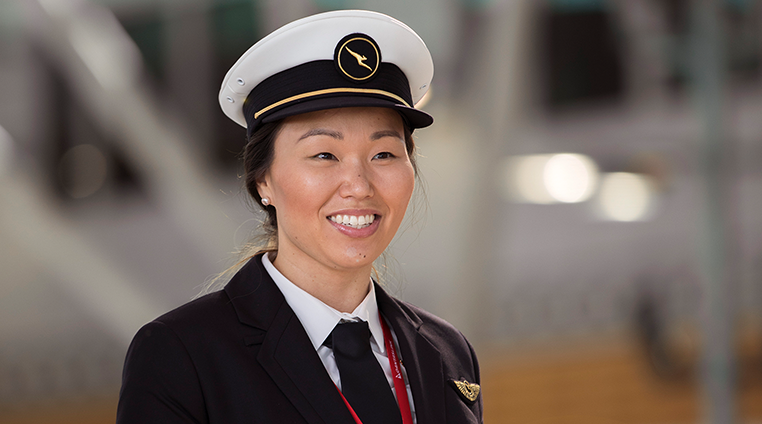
340 183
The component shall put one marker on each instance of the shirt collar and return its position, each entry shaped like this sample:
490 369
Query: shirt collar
319 319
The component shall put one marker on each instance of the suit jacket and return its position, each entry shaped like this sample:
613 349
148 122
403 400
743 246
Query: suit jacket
241 355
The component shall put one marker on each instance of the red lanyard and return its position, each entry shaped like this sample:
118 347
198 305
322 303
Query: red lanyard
399 383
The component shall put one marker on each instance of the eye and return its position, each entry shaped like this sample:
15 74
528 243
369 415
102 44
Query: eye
325 155
384 155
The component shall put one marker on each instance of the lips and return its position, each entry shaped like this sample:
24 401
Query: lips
353 221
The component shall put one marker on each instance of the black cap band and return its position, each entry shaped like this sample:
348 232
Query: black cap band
317 85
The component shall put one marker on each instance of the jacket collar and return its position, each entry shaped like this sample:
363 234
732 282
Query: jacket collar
286 353
254 296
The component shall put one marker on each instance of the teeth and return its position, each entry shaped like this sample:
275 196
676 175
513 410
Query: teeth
353 221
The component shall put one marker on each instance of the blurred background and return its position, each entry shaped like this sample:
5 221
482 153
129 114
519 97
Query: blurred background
590 216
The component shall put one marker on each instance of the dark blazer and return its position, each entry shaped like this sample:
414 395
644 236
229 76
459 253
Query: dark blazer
241 355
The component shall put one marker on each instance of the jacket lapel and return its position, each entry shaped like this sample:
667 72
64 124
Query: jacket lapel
422 361
287 354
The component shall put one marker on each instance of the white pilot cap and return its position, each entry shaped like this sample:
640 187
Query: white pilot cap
335 59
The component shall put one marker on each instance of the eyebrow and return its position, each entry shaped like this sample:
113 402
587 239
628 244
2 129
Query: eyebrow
322 131
385 133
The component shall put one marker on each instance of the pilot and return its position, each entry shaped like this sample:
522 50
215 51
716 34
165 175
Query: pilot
302 333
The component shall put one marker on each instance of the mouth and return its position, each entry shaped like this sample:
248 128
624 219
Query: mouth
353 221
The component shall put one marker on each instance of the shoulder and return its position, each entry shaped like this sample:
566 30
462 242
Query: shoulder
436 330
170 361
181 334
432 323
162 367
176 332
188 329
246 299
448 339
200 313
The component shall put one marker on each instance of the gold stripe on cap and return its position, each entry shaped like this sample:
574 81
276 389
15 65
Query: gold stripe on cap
330 91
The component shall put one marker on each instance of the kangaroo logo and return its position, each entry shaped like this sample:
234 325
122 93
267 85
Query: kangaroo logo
360 58
357 57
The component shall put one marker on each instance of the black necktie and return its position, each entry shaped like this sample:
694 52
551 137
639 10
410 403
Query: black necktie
363 382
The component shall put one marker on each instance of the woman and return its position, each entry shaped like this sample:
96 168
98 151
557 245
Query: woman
301 334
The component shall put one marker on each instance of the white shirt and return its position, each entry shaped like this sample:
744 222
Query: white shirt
319 319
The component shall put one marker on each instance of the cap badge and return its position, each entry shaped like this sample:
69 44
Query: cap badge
357 57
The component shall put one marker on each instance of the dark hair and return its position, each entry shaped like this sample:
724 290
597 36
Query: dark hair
257 159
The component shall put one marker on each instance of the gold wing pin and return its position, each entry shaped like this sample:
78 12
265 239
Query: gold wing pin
360 58
469 390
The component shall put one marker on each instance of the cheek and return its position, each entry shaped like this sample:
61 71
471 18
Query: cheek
299 192
400 185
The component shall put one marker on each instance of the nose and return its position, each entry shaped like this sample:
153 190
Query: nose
356 181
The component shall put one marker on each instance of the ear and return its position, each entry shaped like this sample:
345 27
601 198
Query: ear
264 188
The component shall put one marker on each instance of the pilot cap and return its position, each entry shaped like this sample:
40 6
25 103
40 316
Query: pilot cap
345 58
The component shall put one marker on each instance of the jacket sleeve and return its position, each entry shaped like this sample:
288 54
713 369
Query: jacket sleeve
159 382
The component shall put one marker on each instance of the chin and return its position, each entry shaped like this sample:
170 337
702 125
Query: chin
357 258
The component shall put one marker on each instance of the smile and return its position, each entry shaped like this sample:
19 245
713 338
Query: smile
353 221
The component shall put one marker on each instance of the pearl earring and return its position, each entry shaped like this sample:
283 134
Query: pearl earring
266 201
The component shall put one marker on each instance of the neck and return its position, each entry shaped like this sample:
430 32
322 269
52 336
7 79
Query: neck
342 290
